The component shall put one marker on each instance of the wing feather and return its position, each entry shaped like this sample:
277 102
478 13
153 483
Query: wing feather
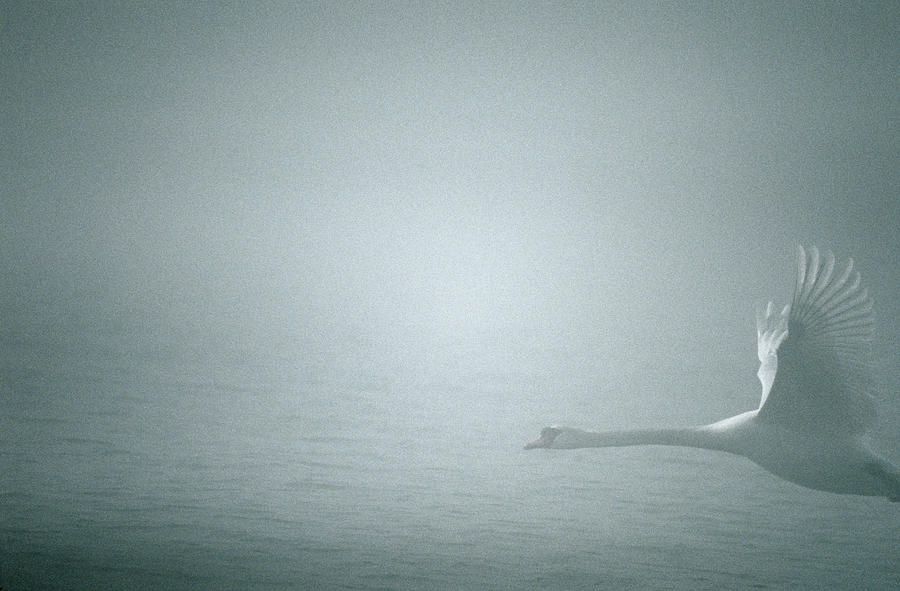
814 355
771 330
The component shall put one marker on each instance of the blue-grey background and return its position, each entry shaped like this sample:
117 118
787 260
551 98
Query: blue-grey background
284 288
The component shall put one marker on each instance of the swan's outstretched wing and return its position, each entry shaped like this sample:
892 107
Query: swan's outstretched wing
813 355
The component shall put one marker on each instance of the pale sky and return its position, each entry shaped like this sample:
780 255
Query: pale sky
617 174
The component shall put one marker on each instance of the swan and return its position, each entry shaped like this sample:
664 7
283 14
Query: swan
816 403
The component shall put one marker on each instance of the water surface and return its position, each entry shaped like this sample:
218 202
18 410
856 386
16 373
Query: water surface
135 462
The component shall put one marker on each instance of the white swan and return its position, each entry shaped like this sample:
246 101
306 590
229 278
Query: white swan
815 403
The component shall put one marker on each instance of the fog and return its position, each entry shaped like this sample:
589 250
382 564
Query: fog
286 286
582 186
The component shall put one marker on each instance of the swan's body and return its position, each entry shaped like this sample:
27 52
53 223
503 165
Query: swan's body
815 404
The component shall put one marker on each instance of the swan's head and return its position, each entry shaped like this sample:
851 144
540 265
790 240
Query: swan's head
548 436
557 437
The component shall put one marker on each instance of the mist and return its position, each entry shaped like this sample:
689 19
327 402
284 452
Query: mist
532 211
587 190
605 177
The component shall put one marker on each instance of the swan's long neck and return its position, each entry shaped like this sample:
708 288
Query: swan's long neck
687 437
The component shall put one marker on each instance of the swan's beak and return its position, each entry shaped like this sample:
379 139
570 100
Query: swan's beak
546 438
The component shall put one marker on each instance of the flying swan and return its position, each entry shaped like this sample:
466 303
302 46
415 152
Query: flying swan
815 404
